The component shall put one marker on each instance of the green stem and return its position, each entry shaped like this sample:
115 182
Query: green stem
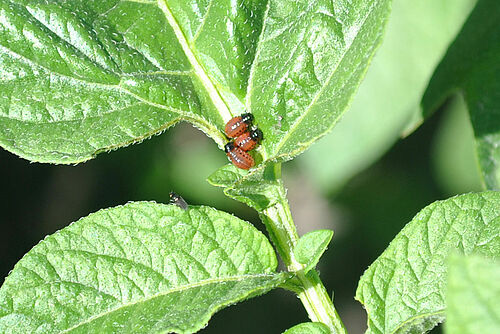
312 293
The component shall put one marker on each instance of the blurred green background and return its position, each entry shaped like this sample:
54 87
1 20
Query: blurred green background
361 180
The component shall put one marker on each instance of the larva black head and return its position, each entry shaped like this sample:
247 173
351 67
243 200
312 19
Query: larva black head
247 118
229 147
256 135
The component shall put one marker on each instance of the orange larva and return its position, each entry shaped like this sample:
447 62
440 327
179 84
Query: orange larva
238 125
238 157
248 140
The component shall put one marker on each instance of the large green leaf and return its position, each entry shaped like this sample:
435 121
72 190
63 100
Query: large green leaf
418 34
471 67
310 60
86 76
473 296
139 268
403 291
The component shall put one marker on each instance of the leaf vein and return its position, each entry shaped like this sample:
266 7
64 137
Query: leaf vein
177 289
323 87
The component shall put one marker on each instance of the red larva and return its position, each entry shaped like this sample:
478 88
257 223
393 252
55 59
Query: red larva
238 125
238 157
248 140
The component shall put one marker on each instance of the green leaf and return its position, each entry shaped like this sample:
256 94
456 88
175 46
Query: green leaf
418 34
87 76
309 328
311 246
471 67
473 296
454 152
403 290
263 190
257 189
324 48
139 268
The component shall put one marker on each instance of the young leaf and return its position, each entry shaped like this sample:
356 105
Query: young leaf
257 189
311 246
471 67
403 290
309 328
139 268
261 189
83 77
473 296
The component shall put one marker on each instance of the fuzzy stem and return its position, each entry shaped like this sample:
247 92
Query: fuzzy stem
312 293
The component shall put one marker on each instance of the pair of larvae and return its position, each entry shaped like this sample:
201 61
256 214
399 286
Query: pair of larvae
245 139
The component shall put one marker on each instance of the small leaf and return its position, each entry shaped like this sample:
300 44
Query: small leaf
471 67
473 296
309 328
311 246
139 268
226 176
262 189
403 290
257 189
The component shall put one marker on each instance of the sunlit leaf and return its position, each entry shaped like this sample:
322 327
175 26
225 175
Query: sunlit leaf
310 61
311 246
139 268
473 296
86 76
82 77
404 290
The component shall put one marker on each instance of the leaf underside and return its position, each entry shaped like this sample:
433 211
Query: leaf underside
471 67
139 268
403 291
82 77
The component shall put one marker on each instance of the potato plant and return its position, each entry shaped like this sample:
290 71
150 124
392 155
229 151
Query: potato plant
79 78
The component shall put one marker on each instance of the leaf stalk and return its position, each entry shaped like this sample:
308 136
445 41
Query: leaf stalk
283 232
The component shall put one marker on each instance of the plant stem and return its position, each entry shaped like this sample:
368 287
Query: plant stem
312 293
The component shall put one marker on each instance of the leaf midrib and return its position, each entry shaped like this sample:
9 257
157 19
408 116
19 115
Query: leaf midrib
187 115
177 289
297 122
198 69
